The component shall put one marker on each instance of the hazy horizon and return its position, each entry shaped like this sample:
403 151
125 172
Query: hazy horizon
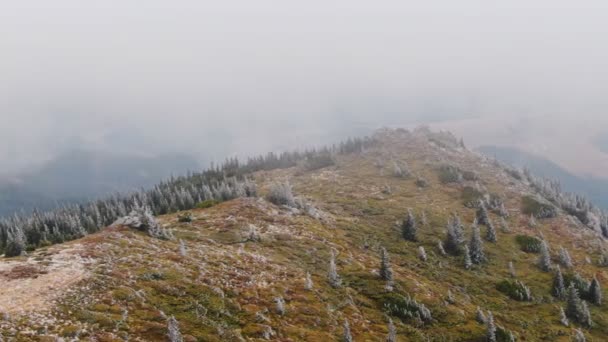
240 77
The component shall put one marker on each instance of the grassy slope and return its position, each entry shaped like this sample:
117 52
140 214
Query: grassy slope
224 288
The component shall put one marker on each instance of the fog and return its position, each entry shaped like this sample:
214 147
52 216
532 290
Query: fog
217 78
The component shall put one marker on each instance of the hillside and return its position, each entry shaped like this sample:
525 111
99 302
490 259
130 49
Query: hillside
593 188
238 270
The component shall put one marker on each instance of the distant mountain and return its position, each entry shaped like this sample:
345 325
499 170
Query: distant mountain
595 189
78 175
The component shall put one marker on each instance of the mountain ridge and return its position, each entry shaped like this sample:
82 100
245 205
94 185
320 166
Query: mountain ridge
249 269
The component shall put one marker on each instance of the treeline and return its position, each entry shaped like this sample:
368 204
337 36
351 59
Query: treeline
229 180
573 204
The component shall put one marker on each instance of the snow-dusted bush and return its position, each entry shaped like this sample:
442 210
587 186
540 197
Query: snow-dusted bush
281 194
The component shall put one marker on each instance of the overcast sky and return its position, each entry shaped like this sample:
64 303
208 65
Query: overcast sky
257 74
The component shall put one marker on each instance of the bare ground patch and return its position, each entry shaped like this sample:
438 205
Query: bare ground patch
33 283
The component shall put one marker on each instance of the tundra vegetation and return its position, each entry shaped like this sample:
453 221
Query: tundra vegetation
308 246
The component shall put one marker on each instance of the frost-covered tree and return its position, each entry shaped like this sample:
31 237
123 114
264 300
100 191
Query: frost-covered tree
559 287
490 328
532 221
480 316
603 260
422 253
423 219
585 319
504 225
467 258
386 272
491 232
564 258
15 243
440 248
544 260
173 330
280 305
392 332
562 317
476 247
579 336
347 336
408 227
200 189
455 236
308 282
482 213
574 306
595 292
502 211
512 270
182 248
332 274
449 298
281 194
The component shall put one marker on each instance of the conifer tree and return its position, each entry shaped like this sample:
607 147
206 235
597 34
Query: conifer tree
480 316
386 272
476 247
502 211
308 282
532 221
595 292
408 227
490 328
573 304
423 219
544 260
182 248
559 287
564 258
347 337
562 317
512 270
332 275
280 302
455 236
491 232
173 330
504 225
15 243
579 336
467 258
585 318
440 248
422 253
392 332
482 213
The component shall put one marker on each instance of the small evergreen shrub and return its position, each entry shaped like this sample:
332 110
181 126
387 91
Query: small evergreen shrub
515 290
533 206
449 174
407 308
207 204
471 197
421 182
185 217
528 244
470 176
